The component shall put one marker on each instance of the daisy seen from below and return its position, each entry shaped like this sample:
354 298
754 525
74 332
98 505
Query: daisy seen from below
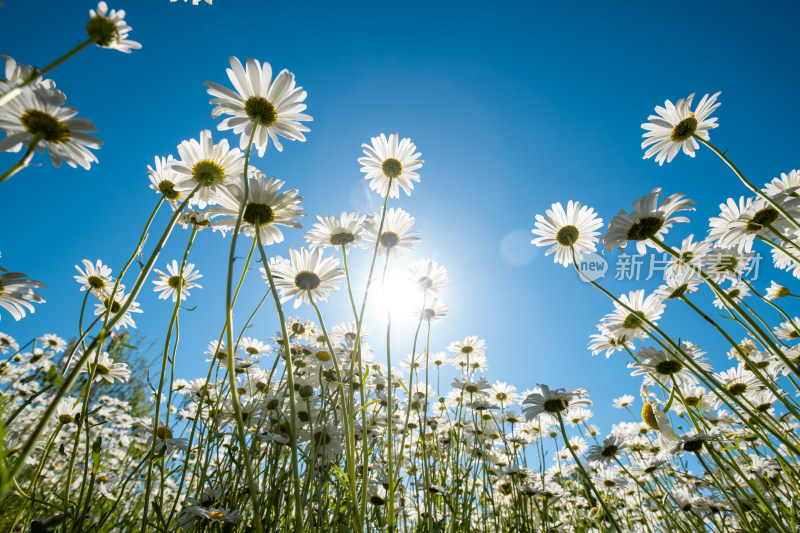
276 105
105 369
553 402
396 233
344 230
647 220
266 208
390 165
565 231
52 342
94 277
428 275
108 29
433 311
675 126
777 291
738 225
114 306
36 119
787 183
163 180
211 166
169 283
305 275
18 293
632 324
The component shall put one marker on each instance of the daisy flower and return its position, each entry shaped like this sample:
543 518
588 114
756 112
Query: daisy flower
390 165
623 401
165 441
253 346
7 343
276 105
788 330
777 291
197 219
738 380
163 179
94 277
647 220
210 165
67 410
736 292
108 29
167 284
738 225
305 275
574 228
41 119
105 369
676 125
114 306
17 293
553 402
631 324
433 311
52 342
396 233
606 453
665 366
266 208
679 282
607 341
468 347
332 231
428 275
17 75
785 185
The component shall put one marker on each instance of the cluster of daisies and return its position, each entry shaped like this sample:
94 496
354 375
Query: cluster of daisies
306 427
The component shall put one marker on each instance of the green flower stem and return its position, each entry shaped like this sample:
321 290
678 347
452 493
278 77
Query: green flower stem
70 379
237 409
298 524
751 366
730 303
705 377
748 184
165 356
347 422
13 93
588 479
23 162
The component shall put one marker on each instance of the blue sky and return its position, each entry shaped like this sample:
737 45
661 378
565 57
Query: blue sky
514 106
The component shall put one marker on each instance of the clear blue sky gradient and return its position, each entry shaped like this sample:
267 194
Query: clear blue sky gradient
514 106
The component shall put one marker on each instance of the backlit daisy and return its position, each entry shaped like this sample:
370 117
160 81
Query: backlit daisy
344 230
305 275
787 183
212 166
574 228
35 117
276 105
390 165
666 366
52 342
94 277
674 126
553 402
17 293
167 284
266 208
647 219
108 29
739 224
115 306
396 233
163 180
777 291
7 343
788 330
631 324
428 275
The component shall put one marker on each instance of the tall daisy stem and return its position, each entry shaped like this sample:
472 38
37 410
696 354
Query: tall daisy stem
70 379
13 93
586 476
237 410
22 163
